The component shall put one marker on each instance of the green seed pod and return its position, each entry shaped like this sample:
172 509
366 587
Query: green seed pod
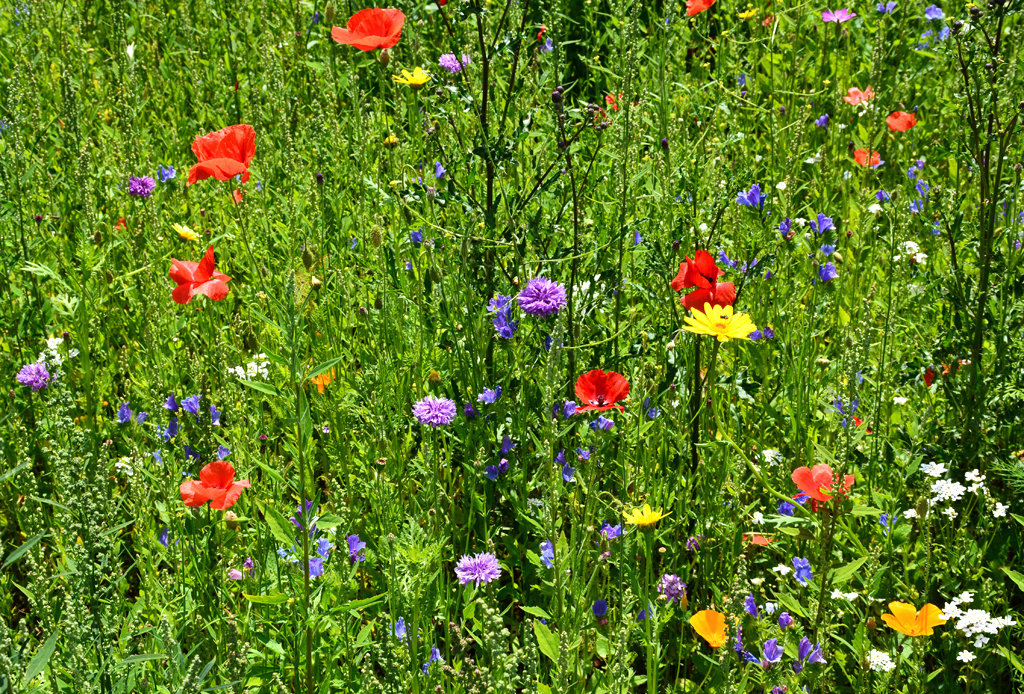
329 13
307 258
375 236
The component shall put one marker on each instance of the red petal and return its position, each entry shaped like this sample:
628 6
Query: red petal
371 29
724 294
182 294
221 169
183 271
586 386
195 493
236 142
616 387
218 474
214 289
901 121
205 269
679 281
697 298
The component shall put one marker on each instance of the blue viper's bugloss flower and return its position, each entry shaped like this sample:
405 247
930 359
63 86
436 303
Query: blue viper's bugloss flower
822 122
828 248
741 80
223 452
785 509
316 567
569 409
547 47
772 653
434 412
600 608
191 404
171 404
141 186
468 410
568 472
491 472
547 553
489 397
355 549
399 629
477 569
752 198
916 206
141 417
882 196
124 415
602 423
35 376
750 606
439 170
164 537
883 520
886 7
542 297
165 174
171 431
214 416
416 236
785 621
609 531
190 453
827 272
506 445
822 225
157 457
802 570
435 657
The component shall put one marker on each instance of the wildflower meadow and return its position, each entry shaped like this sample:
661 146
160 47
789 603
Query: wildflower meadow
494 346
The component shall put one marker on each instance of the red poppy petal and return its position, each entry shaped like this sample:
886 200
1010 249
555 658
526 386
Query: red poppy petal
214 289
218 474
195 494
230 496
183 271
678 282
901 121
724 294
221 169
586 386
237 142
616 387
697 298
205 269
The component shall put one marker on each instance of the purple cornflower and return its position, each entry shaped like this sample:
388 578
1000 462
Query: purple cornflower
822 225
355 549
600 608
482 568
609 531
822 122
124 415
191 404
752 198
933 12
671 588
452 64
434 411
489 397
602 423
750 606
839 16
34 376
165 173
141 186
785 509
542 297
802 569
827 272
547 553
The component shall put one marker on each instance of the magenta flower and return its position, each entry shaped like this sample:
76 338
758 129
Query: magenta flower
839 16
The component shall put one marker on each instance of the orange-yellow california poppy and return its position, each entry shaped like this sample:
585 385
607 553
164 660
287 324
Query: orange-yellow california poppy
906 619
711 626
322 380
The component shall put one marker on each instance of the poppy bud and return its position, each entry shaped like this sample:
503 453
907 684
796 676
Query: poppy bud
307 258
835 254
329 13
97 238
385 57
1018 167
375 236
231 520
434 378
871 624
378 303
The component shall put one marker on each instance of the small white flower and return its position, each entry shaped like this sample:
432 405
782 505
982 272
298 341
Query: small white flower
757 581
874 208
934 469
758 518
782 569
1000 510
910 513
772 456
781 185
897 400
974 476
703 227
846 175
965 656
950 512
771 607
880 662
800 221
130 50
54 342
757 157
980 641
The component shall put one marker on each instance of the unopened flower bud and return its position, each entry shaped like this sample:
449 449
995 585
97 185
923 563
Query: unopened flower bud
362 311
375 236
871 624
231 520
315 283
319 178
556 97
957 26
664 144
385 57
378 303
97 238
38 218
307 258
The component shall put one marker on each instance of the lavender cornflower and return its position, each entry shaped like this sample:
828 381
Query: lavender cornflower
752 198
671 588
141 186
355 549
124 415
165 174
452 64
542 297
547 553
34 376
489 397
434 411
481 568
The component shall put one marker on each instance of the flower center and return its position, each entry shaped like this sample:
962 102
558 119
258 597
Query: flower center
720 325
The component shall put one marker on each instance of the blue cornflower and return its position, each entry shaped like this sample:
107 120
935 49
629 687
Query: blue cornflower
165 174
802 570
752 198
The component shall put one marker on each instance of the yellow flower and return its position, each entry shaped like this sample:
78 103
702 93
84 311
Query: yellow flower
748 14
416 80
185 233
720 322
390 141
644 517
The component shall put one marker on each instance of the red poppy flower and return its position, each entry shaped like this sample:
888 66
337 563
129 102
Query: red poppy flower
758 539
768 21
861 157
371 29
859 422
701 272
901 121
816 482
198 278
697 6
121 224
929 376
216 484
856 97
599 391
224 154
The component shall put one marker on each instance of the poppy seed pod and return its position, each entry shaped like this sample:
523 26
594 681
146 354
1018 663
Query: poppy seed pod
385 57
231 520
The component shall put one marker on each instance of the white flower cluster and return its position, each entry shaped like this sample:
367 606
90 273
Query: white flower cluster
880 662
913 253
977 481
52 356
974 624
772 456
124 466
259 367
934 469
838 594
947 490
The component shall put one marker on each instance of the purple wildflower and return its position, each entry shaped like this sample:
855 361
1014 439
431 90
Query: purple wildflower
802 569
482 568
671 588
434 411
452 64
355 549
141 186
838 17
34 376
542 297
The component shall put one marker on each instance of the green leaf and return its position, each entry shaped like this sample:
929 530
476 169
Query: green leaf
1015 576
15 471
142 658
845 573
866 511
17 554
279 526
41 658
790 531
328 520
276 599
262 387
323 367
546 641
537 612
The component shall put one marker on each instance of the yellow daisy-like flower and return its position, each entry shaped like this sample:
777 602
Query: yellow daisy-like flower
720 322
644 517
748 14
390 141
416 79
185 233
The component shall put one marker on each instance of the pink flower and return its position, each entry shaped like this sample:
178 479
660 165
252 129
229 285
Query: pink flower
839 16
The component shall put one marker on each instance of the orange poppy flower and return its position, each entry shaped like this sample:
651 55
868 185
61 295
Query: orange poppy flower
862 157
906 619
856 97
697 6
224 154
901 121
322 380
711 626
121 224
216 484
198 278
817 482
371 29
